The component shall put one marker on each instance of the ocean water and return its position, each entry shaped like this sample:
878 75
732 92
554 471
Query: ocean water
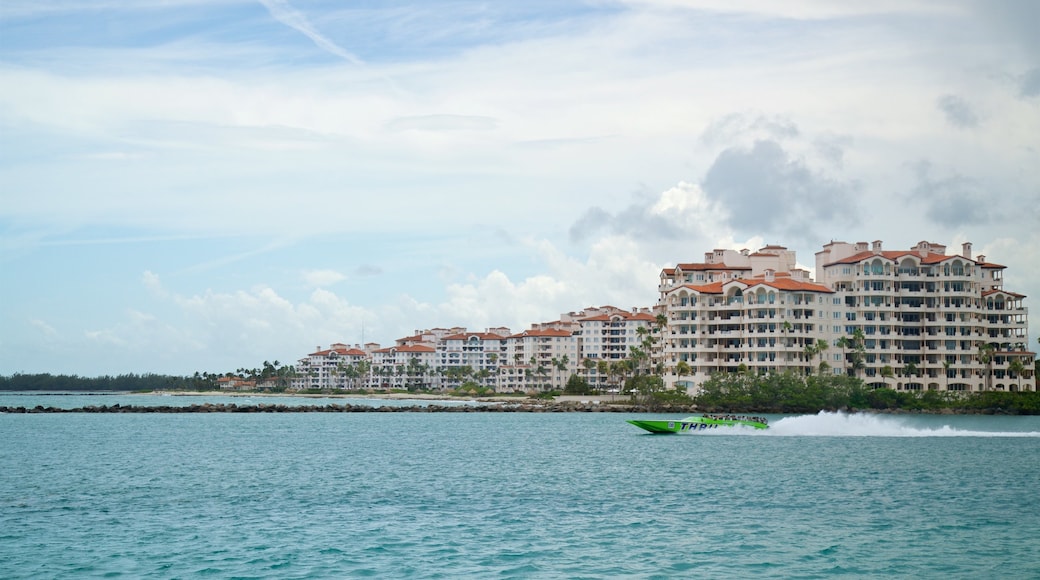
29 400
525 495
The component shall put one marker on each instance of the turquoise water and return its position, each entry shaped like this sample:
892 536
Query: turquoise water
78 401
416 495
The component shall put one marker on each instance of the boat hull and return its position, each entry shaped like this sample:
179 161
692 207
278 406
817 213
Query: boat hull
693 424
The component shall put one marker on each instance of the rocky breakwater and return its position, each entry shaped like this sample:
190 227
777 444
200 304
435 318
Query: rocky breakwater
511 407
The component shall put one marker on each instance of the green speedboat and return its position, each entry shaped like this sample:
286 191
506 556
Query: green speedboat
698 424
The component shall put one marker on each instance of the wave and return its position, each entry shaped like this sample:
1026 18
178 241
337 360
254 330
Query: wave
830 424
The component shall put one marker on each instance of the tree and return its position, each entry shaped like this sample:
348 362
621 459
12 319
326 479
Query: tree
577 386
859 349
602 372
682 369
588 364
618 370
1017 368
638 356
815 349
844 342
887 373
561 364
645 388
986 357
821 347
910 369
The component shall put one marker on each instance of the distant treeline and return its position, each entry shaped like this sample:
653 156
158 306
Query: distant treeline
128 382
793 393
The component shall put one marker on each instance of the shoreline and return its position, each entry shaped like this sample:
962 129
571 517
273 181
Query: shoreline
514 403
385 396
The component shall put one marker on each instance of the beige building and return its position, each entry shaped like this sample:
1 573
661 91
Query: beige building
928 320
539 359
768 322
911 320
607 334
331 368
931 320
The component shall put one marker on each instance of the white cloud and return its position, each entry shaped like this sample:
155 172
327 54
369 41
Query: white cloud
45 328
322 277
152 283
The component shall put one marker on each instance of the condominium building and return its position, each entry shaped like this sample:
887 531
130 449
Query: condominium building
911 320
928 320
331 368
931 320
538 359
471 356
607 334
407 364
766 321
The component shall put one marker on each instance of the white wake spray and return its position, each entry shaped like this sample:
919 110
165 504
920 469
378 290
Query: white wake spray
827 424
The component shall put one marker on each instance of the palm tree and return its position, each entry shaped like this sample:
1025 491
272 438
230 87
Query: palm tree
617 370
859 342
603 372
561 365
682 369
986 357
1017 368
821 346
815 349
887 373
844 342
588 364
910 370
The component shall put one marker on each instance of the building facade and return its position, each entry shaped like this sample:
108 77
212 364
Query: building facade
606 336
931 320
911 320
336 367
916 319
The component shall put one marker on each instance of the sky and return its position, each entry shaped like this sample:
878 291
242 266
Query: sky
204 185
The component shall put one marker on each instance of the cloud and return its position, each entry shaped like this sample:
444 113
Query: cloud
152 283
322 278
957 111
46 329
765 190
365 270
284 12
1030 84
952 201
669 216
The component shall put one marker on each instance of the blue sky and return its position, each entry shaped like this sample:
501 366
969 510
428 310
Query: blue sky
207 184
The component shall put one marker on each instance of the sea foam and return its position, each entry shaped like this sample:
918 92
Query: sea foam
830 424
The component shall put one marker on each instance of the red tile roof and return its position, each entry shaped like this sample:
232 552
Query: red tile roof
339 351
1013 294
703 266
896 255
783 284
547 332
416 348
480 335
